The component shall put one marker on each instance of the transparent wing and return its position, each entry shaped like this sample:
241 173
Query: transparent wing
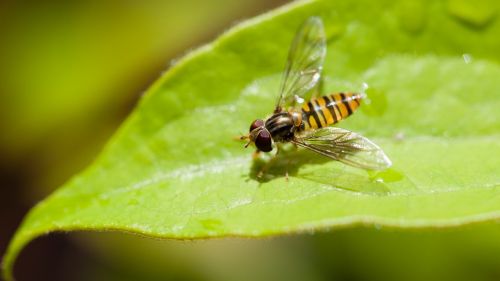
345 146
304 64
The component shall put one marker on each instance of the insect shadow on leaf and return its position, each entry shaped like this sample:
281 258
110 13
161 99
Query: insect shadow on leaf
290 161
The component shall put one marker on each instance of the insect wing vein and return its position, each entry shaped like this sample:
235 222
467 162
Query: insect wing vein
344 146
304 64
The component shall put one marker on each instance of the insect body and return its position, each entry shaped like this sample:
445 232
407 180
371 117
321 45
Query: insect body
305 120
328 110
317 113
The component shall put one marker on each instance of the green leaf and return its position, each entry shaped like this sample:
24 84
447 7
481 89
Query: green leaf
174 169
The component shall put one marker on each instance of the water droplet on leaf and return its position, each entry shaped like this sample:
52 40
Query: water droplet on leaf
477 13
375 102
467 58
334 31
389 175
400 136
210 224
412 16
133 202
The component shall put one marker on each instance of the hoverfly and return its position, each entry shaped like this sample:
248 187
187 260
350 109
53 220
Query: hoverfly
305 120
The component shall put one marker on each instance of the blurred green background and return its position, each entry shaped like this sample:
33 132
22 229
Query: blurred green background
70 72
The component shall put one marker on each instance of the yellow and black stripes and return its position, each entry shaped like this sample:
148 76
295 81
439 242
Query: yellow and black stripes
324 111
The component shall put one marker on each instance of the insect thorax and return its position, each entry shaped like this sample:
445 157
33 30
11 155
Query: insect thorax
281 126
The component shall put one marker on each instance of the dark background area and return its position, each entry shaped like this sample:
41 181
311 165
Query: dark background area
70 72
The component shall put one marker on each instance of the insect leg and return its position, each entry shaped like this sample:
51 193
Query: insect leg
269 163
286 170
275 159
256 154
287 162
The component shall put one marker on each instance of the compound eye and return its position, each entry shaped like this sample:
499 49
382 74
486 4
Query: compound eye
256 124
264 141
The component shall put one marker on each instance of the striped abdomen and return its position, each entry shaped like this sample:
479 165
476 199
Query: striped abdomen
327 110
